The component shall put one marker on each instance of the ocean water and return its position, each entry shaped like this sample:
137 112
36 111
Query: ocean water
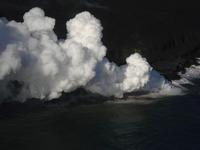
171 123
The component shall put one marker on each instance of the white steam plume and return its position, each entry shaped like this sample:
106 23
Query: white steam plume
191 74
112 80
31 54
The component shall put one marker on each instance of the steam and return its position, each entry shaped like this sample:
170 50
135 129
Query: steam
191 74
45 67
111 80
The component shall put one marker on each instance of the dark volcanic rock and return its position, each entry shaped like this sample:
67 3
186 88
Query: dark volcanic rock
167 33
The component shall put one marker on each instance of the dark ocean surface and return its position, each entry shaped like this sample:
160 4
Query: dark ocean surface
171 123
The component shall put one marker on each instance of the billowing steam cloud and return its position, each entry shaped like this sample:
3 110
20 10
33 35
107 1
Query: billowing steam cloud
113 80
44 66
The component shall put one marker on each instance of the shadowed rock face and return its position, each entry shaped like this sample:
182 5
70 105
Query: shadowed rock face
166 33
